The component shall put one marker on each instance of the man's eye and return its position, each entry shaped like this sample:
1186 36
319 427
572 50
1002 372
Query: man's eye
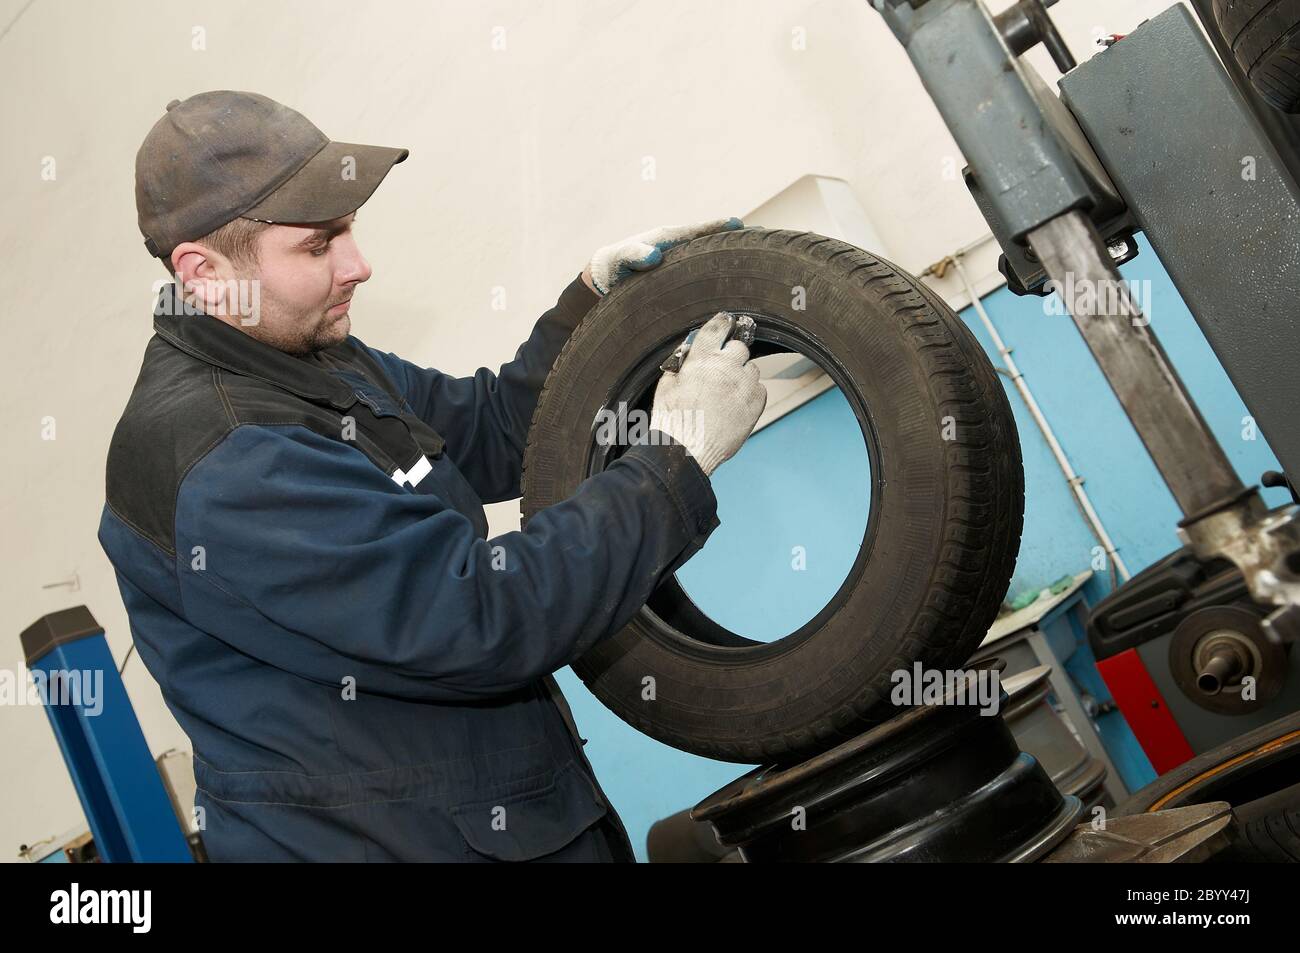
317 252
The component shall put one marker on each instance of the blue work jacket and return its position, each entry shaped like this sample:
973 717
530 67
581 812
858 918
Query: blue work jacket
302 550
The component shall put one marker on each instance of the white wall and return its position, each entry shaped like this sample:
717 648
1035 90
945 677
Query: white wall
523 161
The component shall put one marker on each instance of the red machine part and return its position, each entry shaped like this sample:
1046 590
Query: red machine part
1144 707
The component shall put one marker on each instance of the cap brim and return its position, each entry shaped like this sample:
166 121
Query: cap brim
335 181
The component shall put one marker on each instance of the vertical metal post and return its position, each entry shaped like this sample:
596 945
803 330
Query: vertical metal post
1171 427
116 779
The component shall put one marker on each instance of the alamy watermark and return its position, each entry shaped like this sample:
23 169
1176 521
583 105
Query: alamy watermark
623 426
131 907
1093 297
81 687
239 297
980 688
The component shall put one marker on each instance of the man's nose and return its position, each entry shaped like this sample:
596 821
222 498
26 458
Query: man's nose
354 267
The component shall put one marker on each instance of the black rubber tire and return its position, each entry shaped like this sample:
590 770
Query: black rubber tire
1268 831
947 514
1258 773
1265 38
1240 771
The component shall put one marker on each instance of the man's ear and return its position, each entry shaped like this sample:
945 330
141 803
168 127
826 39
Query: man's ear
200 275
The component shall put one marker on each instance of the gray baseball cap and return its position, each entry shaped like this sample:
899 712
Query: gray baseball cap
222 155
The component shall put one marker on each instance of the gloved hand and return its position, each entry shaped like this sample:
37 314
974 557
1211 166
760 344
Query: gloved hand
711 405
641 252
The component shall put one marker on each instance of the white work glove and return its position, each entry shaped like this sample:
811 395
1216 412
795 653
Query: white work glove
711 405
641 252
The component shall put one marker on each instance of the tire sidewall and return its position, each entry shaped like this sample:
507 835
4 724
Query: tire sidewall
726 700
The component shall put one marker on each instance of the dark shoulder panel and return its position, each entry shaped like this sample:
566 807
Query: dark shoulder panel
182 407
175 415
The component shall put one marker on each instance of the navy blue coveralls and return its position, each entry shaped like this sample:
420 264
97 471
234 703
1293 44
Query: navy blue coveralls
301 547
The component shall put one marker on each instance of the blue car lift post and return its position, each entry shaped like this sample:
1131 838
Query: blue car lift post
129 812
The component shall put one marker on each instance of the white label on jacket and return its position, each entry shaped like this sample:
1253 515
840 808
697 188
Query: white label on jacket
418 472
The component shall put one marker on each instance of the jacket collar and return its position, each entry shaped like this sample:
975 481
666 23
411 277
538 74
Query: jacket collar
214 342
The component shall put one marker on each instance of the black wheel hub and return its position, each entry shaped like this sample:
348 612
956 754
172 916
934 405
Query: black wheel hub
936 783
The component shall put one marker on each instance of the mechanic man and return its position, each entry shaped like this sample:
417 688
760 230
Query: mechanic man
297 527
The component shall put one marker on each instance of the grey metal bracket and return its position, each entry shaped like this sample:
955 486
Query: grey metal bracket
1186 835
1028 159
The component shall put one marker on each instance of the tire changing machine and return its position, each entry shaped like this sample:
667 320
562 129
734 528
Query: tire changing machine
1150 135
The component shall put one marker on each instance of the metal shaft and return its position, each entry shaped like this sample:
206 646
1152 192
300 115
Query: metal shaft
1186 453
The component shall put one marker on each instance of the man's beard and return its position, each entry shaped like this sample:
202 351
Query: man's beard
297 337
